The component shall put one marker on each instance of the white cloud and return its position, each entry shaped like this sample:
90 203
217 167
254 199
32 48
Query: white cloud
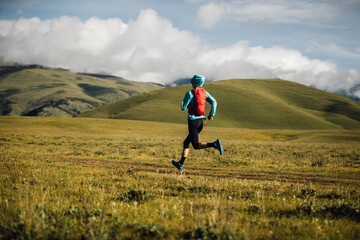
212 13
151 49
274 11
335 50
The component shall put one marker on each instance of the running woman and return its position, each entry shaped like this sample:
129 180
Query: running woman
194 101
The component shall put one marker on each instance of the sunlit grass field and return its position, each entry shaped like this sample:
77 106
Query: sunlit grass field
81 178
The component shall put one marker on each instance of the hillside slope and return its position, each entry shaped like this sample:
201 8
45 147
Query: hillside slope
245 103
34 90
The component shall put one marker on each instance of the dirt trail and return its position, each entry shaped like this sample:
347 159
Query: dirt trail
248 174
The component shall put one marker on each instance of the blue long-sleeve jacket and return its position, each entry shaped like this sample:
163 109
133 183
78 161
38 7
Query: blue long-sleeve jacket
188 101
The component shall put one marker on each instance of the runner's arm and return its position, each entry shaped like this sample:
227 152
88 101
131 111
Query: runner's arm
186 101
210 99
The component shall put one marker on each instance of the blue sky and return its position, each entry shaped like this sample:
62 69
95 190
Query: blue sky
322 36
333 35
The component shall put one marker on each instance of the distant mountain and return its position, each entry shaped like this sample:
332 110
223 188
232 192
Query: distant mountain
35 90
351 92
244 103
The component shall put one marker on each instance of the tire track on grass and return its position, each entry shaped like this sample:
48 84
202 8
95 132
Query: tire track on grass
245 174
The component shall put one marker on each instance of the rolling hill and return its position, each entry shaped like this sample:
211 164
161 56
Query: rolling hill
34 90
244 103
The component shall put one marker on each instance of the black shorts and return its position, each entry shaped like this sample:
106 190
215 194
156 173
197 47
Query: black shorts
195 127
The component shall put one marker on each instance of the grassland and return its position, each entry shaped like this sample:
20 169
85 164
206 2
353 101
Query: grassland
112 179
245 103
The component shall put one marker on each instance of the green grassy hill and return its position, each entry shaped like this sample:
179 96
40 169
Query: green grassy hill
34 90
244 103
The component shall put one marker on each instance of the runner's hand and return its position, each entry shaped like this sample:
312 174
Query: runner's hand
210 118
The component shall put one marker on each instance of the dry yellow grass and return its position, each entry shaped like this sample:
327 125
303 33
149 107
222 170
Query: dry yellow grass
112 179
